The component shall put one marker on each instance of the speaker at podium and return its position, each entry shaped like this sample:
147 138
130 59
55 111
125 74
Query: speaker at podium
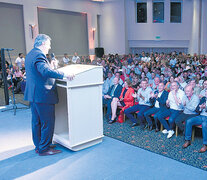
99 51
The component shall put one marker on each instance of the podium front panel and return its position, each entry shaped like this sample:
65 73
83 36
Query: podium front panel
85 114
79 117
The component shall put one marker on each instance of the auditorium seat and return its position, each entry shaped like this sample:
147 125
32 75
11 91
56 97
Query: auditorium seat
193 131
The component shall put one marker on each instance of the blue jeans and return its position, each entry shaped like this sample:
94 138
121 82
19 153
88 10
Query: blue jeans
183 118
172 115
141 108
198 120
149 112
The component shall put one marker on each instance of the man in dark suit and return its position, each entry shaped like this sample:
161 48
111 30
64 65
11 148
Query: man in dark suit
42 93
158 100
113 92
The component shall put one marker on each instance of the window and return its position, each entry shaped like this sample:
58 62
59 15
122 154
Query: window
175 12
158 12
141 12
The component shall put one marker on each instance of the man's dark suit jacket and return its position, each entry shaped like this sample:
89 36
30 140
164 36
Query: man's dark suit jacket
162 100
40 79
117 91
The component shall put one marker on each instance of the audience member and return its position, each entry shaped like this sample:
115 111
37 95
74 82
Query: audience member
174 102
117 75
168 84
143 96
75 58
195 86
113 92
202 93
197 121
155 83
20 60
190 102
125 101
66 59
158 100
54 62
135 83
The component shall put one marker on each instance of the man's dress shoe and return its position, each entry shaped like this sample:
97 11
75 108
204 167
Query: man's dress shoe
203 149
146 126
156 130
134 124
112 121
52 146
187 143
150 128
50 152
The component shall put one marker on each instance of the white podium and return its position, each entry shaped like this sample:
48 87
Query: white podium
78 115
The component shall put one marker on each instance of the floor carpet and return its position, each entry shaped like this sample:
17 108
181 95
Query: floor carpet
158 143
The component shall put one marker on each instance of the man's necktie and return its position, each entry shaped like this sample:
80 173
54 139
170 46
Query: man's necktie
113 90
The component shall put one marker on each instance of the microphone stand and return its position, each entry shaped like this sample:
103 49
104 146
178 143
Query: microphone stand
12 84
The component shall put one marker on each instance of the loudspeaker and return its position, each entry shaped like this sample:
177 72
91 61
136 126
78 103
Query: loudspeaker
99 52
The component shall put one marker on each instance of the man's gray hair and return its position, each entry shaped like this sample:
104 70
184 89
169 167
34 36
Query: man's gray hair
178 84
40 39
189 86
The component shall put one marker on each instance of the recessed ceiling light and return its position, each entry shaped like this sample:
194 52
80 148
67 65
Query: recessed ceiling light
98 0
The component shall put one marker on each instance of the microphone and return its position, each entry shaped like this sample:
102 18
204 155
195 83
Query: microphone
8 49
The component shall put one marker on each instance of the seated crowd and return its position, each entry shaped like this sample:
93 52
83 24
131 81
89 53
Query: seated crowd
169 88
16 74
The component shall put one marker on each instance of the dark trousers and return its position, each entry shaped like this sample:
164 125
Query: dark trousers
43 121
151 111
108 104
141 108
183 118
16 81
172 115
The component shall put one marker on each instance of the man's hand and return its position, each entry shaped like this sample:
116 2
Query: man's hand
167 102
179 101
134 95
203 106
140 95
156 95
107 96
70 77
152 95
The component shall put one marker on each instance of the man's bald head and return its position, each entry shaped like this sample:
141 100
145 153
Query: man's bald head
189 90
